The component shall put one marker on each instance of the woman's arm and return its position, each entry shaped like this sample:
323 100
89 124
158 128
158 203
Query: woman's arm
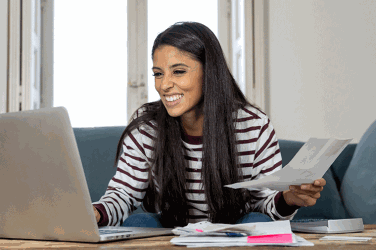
127 188
268 160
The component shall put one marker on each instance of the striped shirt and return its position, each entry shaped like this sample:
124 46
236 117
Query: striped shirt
259 156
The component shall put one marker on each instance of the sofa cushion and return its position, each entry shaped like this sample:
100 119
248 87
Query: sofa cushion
341 164
359 183
97 147
329 205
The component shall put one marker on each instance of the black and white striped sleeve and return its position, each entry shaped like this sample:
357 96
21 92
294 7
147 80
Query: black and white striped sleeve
267 161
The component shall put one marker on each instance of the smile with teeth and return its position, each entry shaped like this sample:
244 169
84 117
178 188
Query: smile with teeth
173 98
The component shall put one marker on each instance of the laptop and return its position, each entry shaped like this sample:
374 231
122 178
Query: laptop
44 194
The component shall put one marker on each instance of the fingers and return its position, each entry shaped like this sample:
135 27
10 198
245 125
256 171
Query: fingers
97 215
305 200
299 191
301 200
320 182
317 186
305 195
311 187
306 188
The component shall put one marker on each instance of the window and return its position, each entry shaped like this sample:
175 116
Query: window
83 62
90 52
90 68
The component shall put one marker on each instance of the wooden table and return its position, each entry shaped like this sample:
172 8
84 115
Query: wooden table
163 242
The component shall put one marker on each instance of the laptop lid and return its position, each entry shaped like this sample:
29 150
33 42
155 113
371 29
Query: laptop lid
44 194
43 187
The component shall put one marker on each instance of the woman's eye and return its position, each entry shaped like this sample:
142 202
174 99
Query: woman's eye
179 72
157 74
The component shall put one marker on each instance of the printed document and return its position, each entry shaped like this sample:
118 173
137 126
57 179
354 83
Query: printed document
309 164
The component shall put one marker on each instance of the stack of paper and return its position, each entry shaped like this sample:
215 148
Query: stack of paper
206 234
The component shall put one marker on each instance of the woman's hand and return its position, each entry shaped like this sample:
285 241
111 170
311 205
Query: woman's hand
304 195
97 214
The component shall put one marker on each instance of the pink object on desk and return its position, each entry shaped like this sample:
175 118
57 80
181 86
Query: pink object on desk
270 238
199 230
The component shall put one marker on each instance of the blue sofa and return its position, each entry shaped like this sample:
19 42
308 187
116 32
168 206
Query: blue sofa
351 184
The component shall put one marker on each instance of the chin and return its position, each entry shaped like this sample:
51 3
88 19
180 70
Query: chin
173 114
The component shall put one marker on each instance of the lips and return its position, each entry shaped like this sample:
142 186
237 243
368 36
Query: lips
173 100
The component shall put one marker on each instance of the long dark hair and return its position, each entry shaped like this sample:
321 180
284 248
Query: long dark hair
221 99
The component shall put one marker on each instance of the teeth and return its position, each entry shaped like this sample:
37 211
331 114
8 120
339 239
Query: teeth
173 98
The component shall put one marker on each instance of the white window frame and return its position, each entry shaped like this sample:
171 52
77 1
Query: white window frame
31 54
224 29
47 54
4 41
23 94
259 88
25 55
254 68
14 53
137 88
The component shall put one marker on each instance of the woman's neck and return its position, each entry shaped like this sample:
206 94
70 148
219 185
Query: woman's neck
193 124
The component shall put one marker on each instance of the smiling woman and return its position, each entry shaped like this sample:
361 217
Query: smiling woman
178 80
177 153
205 12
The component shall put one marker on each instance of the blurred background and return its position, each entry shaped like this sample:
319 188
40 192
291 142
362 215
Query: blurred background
310 65
98 42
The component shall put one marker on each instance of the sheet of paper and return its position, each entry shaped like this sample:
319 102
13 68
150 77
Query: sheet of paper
310 163
344 238
259 228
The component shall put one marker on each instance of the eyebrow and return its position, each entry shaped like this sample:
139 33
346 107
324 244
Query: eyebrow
173 66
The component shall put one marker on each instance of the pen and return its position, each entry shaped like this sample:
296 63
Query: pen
236 234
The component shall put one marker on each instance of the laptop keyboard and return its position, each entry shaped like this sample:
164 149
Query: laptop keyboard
112 231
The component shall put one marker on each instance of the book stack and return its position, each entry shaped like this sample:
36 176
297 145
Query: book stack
328 226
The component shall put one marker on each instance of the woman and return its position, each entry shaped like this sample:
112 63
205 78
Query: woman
179 152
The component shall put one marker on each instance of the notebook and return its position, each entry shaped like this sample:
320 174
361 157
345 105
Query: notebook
44 194
328 226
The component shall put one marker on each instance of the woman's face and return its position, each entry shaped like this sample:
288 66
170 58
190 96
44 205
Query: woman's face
178 80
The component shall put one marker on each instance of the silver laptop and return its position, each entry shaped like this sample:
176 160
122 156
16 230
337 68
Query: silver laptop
44 194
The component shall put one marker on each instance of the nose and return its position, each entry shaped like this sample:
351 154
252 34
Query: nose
166 82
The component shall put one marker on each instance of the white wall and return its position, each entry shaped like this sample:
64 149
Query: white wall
3 54
322 65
